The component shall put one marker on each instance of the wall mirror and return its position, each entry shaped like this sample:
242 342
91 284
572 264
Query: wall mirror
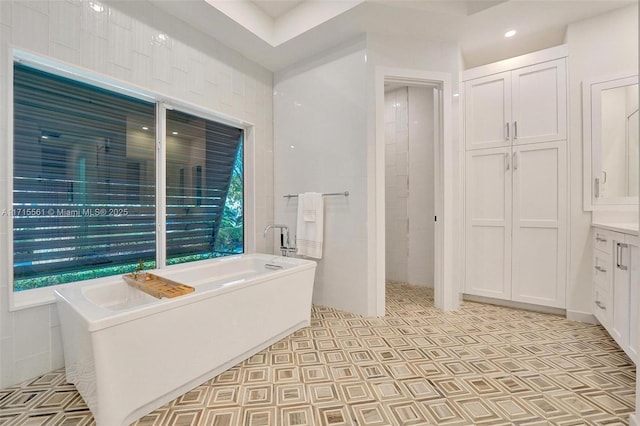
610 134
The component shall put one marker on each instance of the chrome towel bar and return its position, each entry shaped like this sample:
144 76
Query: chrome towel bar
345 193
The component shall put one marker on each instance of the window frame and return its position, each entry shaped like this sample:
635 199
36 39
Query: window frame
45 295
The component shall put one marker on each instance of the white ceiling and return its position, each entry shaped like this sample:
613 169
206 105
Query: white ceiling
477 25
276 8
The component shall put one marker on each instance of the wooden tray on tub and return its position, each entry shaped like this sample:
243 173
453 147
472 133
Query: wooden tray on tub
158 286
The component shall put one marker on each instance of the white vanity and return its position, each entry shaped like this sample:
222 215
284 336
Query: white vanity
610 137
611 186
616 282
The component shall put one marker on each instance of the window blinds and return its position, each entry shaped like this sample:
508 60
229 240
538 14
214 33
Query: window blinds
83 180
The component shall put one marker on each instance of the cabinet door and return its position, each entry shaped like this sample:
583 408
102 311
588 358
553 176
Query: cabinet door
539 99
488 223
621 294
488 111
634 302
540 224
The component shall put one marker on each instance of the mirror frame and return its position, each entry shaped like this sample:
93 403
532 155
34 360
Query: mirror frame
590 138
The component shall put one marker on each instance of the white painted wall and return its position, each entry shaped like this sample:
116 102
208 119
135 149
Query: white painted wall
320 145
186 65
409 139
633 129
598 47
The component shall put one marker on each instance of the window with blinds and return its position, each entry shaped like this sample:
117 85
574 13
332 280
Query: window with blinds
84 183
204 189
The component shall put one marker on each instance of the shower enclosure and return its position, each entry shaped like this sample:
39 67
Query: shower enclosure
409 183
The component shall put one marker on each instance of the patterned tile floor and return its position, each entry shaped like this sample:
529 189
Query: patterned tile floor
481 365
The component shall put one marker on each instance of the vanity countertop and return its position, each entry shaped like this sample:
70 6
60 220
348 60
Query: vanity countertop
625 228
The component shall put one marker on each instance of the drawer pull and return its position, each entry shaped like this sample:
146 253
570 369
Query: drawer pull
600 269
600 239
600 305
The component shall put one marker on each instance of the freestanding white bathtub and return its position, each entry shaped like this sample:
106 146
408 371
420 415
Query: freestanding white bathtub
129 353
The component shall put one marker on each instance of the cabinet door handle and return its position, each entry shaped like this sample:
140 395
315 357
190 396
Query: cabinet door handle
600 269
507 132
515 161
619 247
506 160
515 130
600 305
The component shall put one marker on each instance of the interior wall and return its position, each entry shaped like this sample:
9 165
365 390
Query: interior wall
409 175
320 146
602 46
125 44
632 99
421 186
328 105
396 124
415 55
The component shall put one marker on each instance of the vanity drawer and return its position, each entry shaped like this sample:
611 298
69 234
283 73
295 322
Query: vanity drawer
602 269
602 240
601 308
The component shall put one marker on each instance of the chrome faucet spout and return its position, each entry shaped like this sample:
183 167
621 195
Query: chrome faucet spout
284 237
275 225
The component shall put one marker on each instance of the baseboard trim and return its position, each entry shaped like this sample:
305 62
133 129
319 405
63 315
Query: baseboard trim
633 420
515 305
582 317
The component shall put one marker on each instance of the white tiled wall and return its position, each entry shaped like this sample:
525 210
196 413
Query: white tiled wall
320 115
409 187
421 186
396 123
165 57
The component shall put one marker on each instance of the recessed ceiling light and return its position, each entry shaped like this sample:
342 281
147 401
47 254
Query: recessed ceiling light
174 133
456 94
145 128
510 33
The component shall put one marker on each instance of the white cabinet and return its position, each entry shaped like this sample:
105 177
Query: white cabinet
621 294
516 209
602 276
634 301
539 102
488 222
539 254
487 111
516 180
616 285
525 105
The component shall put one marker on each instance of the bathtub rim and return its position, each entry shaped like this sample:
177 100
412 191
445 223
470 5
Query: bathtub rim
95 317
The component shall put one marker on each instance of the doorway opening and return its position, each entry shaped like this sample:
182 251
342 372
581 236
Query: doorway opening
411 120
434 199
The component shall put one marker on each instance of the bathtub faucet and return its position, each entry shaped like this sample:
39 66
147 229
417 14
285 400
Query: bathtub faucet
285 247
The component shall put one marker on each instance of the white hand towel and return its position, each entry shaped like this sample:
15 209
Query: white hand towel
309 234
308 201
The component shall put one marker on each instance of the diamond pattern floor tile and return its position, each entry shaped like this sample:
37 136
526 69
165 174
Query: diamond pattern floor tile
481 365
